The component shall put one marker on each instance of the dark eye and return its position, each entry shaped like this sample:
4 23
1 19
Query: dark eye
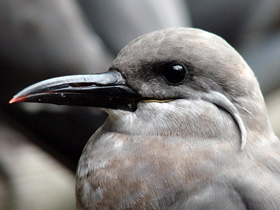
175 73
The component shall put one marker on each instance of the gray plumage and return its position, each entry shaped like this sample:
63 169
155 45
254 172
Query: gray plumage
184 147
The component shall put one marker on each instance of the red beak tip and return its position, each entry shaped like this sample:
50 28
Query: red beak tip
17 99
12 101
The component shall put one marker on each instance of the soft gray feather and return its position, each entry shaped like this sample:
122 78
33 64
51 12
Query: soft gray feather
183 153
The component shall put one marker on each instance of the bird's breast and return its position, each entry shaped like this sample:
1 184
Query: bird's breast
119 170
123 171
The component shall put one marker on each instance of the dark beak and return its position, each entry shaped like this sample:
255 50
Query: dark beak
105 90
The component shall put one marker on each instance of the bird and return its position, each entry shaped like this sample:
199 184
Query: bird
187 127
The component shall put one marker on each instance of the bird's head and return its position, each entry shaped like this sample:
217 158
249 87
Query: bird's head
162 67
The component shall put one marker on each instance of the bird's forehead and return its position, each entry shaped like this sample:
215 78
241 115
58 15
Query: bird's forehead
174 44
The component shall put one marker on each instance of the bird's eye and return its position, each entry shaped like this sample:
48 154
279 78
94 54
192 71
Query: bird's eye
175 74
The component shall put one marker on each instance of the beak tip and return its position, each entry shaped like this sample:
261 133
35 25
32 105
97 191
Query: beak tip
17 99
12 101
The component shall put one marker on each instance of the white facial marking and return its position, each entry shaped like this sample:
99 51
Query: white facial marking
118 144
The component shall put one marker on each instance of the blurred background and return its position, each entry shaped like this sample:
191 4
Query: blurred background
40 144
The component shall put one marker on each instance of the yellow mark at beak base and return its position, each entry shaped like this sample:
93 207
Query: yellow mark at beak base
156 100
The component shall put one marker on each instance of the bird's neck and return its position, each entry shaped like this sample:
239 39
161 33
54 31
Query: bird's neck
194 121
254 114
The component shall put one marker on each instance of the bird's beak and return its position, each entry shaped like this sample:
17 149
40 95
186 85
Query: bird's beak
106 90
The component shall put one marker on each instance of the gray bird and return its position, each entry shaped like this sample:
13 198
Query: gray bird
182 104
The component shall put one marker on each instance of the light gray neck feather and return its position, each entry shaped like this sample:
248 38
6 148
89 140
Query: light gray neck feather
190 119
